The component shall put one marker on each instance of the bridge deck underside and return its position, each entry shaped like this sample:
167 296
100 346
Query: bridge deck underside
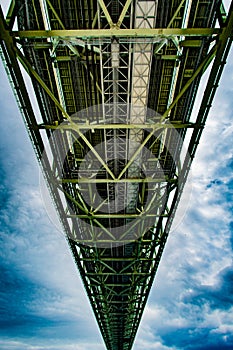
108 95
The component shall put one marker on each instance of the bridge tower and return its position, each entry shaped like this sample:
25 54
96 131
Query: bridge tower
115 83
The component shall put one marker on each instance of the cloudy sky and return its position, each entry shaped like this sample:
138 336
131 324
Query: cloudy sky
42 301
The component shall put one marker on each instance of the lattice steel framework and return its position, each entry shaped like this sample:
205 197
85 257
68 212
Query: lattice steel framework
99 69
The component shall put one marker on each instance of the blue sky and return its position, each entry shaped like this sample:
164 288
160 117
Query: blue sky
42 301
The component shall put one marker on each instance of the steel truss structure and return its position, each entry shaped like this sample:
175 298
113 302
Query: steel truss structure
116 83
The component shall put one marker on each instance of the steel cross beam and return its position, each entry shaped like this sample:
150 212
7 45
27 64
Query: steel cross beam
118 33
128 180
156 126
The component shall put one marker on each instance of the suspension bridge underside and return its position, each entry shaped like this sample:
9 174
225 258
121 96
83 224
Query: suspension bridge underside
115 83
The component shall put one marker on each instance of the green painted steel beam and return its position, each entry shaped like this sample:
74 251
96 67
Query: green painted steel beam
87 142
106 13
55 14
155 126
91 216
170 57
10 17
176 13
117 273
114 32
111 259
127 180
123 13
199 71
136 153
121 241
32 73
222 15
190 43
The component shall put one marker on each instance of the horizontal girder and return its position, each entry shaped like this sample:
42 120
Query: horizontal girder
118 33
